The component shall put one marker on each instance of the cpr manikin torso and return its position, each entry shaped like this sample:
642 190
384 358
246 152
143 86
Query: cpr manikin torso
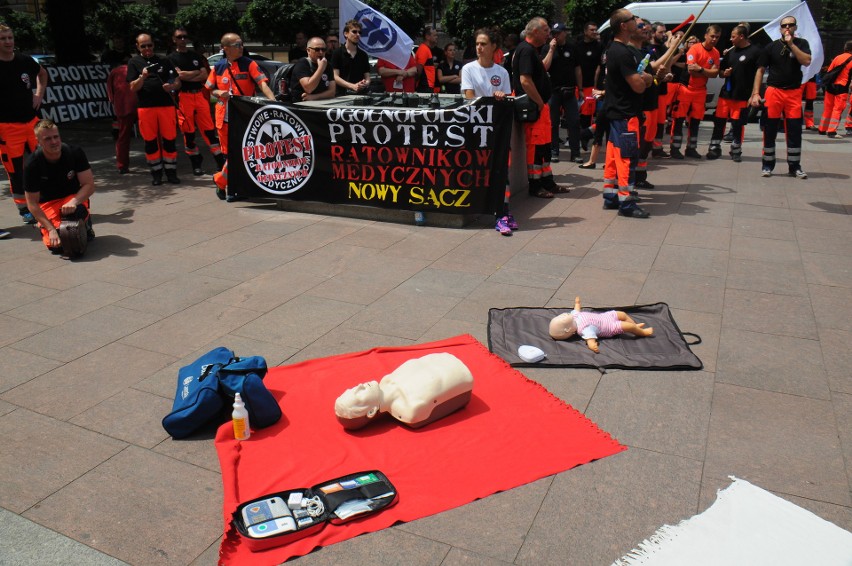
416 393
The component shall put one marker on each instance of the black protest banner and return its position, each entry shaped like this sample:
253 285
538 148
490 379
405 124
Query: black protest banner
75 93
446 160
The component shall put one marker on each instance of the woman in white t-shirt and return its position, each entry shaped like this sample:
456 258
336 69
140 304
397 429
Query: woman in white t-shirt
483 77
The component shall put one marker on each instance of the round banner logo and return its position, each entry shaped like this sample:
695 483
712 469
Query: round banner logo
377 36
278 150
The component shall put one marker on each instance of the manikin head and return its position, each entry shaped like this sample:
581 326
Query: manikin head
357 406
563 326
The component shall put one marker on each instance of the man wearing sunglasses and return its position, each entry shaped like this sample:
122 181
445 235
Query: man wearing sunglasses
784 58
350 63
313 78
232 75
194 108
155 81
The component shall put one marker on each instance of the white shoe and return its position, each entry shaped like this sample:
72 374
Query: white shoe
766 173
4 234
799 174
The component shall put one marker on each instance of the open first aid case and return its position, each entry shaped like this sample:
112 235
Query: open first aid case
279 518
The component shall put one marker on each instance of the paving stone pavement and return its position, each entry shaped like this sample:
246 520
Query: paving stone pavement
760 268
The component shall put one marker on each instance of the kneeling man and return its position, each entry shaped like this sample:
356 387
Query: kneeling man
58 181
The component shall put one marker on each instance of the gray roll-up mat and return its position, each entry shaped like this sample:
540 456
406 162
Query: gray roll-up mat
666 349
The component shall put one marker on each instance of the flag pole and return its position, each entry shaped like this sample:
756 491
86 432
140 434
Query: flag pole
685 34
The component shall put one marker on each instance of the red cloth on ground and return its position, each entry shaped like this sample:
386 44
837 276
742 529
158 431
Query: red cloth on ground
511 433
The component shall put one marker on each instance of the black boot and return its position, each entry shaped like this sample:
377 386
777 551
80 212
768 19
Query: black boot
220 160
196 160
157 175
171 175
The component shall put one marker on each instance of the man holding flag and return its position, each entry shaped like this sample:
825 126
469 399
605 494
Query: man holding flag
367 32
790 63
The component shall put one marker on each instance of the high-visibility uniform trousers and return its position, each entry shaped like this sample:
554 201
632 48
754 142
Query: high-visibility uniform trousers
221 177
809 93
832 110
537 137
789 103
16 139
622 156
737 112
53 210
158 127
195 116
691 105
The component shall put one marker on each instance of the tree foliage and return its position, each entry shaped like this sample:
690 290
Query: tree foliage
409 15
112 17
463 17
208 20
578 12
277 21
836 15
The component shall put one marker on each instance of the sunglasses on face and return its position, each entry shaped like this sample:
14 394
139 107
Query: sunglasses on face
788 25
146 46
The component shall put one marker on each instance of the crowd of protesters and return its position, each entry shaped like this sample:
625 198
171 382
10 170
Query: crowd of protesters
646 82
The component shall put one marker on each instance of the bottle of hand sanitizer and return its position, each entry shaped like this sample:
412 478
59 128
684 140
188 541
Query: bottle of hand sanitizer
240 418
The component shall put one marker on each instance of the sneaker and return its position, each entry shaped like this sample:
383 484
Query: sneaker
234 198
661 153
610 204
643 185
510 220
27 218
728 138
693 153
714 153
577 159
736 158
676 154
197 172
798 173
220 194
554 156
4 234
832 135
502 226
766 172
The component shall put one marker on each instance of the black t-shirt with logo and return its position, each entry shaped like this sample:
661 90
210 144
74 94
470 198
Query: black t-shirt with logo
785 71
451 70
527 61
589 55
743 64
55 180
621 100
189 61
152 93
305 68
18 78
563 65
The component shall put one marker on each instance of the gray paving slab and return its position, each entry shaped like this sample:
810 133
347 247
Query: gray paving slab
89 352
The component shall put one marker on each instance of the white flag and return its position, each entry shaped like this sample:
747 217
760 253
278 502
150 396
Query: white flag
806 29
380 37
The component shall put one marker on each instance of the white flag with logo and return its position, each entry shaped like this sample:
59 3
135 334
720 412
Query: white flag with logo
806 29
380 37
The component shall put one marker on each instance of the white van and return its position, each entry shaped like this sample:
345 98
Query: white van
726 13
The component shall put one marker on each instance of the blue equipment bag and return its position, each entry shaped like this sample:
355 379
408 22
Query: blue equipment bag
244 376
207 385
